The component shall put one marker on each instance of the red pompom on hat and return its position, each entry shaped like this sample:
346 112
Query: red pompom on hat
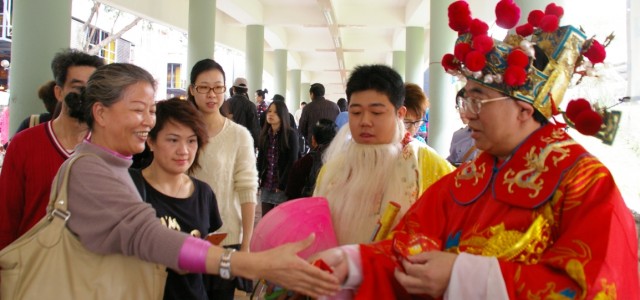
518 58
482 43
535 16
588 122
596 52
449 63
507 14
459 16
478 27
549 23
515 76
575 107
553 9
524 30
461 50
475 61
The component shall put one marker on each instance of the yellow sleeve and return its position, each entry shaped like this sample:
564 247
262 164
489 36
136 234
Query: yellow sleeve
432 167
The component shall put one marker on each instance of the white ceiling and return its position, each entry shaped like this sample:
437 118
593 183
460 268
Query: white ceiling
361 32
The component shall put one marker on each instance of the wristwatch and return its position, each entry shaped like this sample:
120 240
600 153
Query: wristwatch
225 263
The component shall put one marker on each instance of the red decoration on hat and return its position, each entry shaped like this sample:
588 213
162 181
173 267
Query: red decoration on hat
524 30
518 58
461 50
535 16
507 14
449 63
482 43
515 76
549 23
596 52
553 9
588 122
577 106
459 16
475 61
478 27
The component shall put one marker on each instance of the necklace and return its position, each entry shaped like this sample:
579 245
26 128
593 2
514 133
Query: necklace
165 188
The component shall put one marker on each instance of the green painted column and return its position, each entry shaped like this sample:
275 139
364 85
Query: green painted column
442 114
399 62
255 56
304 92
414 64
280 72
293 96
201 40
40 30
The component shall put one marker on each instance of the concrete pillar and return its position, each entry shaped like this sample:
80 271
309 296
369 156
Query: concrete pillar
399 63
202 31
255 56
442 114
304 92
414 64
34 43
280 72
293 96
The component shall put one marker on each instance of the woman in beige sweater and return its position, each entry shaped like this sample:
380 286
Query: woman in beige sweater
228 165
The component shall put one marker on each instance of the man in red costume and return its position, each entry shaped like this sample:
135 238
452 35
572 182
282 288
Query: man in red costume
534 216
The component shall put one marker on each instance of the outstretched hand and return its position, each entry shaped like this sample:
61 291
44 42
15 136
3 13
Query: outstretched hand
427 273
282 266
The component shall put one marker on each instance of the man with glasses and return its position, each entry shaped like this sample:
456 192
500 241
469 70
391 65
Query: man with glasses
463 147
374 160
534 216
416 103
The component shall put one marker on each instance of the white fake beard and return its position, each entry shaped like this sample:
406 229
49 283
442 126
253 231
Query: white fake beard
357 178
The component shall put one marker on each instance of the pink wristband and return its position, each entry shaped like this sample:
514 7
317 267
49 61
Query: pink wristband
193 255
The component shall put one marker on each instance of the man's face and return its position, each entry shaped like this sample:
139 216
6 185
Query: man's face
77 77
372 118
495 128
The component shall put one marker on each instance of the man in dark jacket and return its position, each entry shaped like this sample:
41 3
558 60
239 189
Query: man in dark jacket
240 109
319 108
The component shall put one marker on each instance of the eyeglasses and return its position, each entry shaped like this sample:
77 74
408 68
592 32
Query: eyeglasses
408 124
203 89
472 105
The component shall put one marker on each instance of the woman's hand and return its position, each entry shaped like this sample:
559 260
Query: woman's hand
282 266
427 273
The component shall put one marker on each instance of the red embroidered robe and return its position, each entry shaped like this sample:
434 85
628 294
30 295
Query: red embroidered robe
551 214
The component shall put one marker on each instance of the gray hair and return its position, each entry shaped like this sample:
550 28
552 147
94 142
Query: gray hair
107 84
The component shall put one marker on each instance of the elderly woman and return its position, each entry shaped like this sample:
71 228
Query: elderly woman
108 215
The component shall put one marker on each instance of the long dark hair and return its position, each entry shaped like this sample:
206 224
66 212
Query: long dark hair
283 114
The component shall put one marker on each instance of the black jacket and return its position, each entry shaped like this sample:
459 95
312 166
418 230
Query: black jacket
286 158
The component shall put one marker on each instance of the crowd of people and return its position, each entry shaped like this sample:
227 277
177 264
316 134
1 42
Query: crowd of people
517 210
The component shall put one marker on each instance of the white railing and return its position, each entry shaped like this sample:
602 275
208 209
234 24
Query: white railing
5 30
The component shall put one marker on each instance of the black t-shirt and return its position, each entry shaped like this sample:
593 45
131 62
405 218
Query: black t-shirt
197 215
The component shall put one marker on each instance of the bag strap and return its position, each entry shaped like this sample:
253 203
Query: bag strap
34 120
58 198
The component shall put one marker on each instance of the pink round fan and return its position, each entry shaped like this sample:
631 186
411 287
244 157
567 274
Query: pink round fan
295 220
